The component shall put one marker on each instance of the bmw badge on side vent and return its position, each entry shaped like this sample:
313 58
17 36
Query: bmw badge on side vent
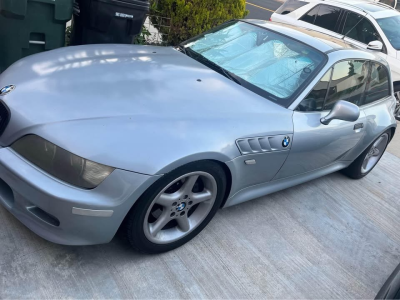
7 89
286 141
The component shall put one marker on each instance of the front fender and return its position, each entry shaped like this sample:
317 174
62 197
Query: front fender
137 145
159 144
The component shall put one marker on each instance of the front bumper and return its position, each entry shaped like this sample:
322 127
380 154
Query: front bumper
64 214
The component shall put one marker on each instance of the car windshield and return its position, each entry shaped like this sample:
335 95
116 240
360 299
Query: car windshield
268 63
390 27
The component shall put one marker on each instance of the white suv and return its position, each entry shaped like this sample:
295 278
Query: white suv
365 24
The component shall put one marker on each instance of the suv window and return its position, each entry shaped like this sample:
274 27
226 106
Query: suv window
362 31
348 82
310 16
352 20
290 6
328 17
379 86
324 16
390 27
315 99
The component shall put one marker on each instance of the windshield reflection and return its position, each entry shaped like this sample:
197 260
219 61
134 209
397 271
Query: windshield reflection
390 27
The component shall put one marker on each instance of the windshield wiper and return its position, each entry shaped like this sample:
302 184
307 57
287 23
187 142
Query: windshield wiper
229 75
183 49
214 66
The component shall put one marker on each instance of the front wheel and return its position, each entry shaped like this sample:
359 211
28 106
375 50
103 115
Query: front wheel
176 208
369 158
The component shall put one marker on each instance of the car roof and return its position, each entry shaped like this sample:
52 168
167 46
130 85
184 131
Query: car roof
321 41
375 9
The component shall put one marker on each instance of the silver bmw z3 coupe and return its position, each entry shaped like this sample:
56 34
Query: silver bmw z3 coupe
154 140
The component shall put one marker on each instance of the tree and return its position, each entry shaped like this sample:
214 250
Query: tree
192 17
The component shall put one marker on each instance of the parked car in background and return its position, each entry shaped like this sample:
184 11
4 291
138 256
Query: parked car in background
159 138
365 24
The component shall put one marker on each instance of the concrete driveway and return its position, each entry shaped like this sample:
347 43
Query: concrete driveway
329 238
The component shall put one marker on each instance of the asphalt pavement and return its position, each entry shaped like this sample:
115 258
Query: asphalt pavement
261 9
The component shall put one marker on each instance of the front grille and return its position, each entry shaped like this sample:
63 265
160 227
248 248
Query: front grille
4 117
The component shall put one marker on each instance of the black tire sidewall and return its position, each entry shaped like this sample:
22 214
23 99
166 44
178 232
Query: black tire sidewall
354 170
135 218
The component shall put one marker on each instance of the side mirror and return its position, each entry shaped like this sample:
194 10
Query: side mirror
342 110
375 45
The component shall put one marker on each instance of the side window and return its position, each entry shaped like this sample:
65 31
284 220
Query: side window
328 17
352 20
310 16
290 6
363 31
348 82
379 86
324 16
315 99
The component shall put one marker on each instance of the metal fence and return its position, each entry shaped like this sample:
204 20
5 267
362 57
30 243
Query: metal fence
156 30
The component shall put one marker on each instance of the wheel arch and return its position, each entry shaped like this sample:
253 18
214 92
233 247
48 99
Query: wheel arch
212 166
217 158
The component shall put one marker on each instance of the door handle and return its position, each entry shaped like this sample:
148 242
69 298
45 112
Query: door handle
358 126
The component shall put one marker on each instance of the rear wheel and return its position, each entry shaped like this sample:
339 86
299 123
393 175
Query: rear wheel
369 158
176 208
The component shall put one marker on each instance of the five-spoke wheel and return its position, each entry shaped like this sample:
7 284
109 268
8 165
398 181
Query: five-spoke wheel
397 96
176 207
369 158
180 207
375 152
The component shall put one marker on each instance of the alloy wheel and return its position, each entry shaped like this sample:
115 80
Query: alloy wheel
180 207
375 153
397 110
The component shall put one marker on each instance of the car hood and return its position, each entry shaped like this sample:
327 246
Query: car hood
104 94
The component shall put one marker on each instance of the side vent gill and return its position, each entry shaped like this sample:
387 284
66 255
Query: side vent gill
262 144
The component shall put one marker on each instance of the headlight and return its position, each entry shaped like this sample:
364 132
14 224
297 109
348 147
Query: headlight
60 163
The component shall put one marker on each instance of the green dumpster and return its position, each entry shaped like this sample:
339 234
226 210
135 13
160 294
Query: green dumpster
31 26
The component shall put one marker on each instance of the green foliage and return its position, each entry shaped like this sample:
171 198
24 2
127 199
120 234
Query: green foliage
68 35
141 39
192 17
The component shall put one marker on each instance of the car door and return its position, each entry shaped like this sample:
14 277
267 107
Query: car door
324 18
314 144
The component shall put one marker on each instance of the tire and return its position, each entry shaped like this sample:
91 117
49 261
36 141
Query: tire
397 95
170 197
356 170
